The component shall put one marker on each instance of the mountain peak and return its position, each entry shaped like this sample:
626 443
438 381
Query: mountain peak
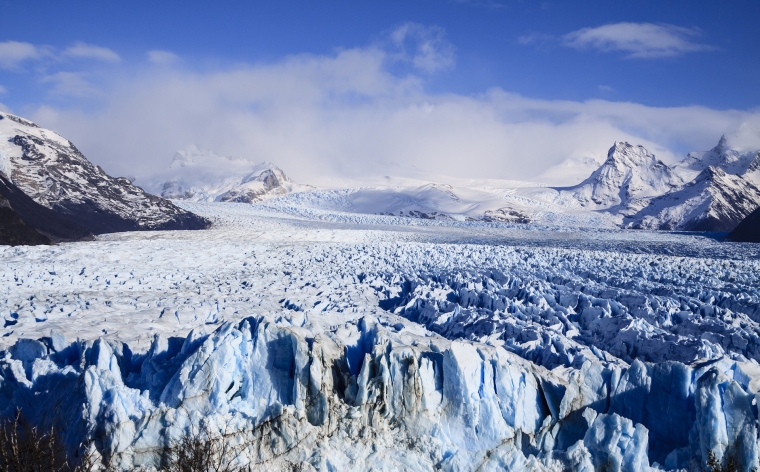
629 172
202 175
734 154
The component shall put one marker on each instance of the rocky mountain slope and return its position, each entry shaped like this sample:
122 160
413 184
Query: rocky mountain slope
203 176
41 219
748 231
52 172
14 231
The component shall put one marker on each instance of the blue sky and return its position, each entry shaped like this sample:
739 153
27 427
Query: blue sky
326 86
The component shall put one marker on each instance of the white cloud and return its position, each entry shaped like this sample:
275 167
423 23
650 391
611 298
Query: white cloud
424 46
162 57
82 50
12 53
346 115
638 40
746 136
3 90
70 84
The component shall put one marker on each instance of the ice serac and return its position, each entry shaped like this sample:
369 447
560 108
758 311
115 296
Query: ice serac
748 231
203 176
52 172
713 201
630 172
366 396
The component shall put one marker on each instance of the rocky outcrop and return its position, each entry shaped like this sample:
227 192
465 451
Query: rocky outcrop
40 219
14 231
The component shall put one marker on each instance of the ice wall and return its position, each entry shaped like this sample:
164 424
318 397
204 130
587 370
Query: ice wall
368 396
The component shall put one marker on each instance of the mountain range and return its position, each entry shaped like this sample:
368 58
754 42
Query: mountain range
709 191
51 189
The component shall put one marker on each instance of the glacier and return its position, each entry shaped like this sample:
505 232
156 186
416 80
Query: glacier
378 342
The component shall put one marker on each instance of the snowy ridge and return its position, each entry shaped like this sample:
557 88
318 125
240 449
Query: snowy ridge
203 176
743 163
52 171
639 191
714 201
571 171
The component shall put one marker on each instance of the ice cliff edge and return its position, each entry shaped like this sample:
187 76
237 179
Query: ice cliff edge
368 396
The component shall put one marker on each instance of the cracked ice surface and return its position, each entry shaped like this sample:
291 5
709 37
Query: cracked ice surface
392 343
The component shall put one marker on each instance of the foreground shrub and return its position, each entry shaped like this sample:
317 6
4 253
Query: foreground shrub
26 448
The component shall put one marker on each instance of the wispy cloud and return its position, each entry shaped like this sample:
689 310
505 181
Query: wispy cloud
13 53
425 47
157 56
82 50
70 84
535 39
3 90
638 40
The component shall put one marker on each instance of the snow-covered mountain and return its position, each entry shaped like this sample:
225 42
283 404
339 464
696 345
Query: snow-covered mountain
714 201
725 156
629 173
203 176
711 191
51 171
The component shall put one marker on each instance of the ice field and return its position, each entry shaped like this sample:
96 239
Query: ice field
381 342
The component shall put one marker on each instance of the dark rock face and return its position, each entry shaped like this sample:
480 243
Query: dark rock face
53 173
748 231
43 221
13 230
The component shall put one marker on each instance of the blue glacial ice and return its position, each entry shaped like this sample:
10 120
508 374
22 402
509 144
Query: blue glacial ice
367 395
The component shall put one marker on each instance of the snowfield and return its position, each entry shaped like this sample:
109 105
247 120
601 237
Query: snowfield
339 340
